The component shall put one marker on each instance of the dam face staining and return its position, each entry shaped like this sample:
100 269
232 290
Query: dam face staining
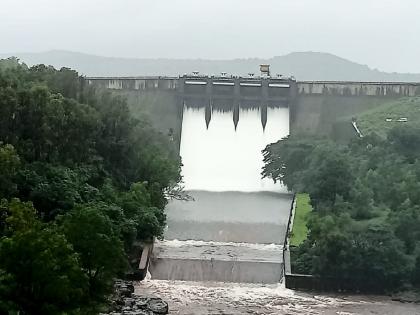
234 228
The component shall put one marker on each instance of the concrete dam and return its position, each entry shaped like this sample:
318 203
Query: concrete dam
315 107
234 229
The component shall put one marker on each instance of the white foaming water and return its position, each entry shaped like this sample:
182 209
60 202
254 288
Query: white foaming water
177 243
222 159
201 298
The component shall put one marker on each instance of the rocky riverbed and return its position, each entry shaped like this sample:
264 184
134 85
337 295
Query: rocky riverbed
126 302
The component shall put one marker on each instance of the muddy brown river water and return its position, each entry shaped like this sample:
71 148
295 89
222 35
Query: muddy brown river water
201 298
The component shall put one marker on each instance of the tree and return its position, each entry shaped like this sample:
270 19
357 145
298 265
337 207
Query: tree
17 216
39 270
405 141
9 165
55 189
287 159
364 227
406 223
101 251
329 175
371 257
97 179
137 205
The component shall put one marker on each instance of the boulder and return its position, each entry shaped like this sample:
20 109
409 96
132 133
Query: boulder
158 306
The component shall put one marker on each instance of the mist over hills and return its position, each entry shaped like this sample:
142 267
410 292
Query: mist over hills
302 65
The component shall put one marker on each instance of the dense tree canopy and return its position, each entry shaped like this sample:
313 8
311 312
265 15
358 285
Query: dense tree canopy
366 201
81 181
39 270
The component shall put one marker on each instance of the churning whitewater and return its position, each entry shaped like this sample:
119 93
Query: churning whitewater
221 158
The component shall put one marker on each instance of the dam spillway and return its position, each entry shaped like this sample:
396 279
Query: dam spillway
234 228
220 158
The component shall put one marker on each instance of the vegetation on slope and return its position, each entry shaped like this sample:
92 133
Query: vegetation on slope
302 211
375 120
81 181
366 208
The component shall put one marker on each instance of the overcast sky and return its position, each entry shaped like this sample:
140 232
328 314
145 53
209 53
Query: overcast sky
383 34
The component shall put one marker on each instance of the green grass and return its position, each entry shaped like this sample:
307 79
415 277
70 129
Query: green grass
374 120
300 230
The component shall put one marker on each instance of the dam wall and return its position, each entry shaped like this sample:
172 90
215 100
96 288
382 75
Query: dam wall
160 106
326 108
324 114
377 89
217 270
315 107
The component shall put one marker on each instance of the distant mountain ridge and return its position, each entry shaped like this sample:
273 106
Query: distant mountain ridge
302 65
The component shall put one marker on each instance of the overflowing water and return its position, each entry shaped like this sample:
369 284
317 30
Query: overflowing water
222 159
234 228
251 217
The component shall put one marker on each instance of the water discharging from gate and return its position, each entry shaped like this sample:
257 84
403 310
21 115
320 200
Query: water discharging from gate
222 159
234 228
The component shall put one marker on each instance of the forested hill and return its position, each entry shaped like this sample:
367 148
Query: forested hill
302 65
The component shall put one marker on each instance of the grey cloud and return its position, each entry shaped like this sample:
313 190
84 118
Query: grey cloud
379 33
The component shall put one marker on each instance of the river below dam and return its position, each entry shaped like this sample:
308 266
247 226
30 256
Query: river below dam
203 298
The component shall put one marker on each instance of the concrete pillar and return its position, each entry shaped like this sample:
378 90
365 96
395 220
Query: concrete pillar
263 114
144 257
181 85
180 111
293 94
209 101
287 265
209 88
237 90
235 112
264 87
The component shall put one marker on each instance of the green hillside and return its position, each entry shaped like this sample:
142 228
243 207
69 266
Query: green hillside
383 118
300 230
